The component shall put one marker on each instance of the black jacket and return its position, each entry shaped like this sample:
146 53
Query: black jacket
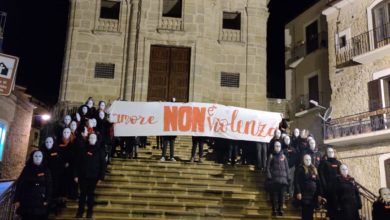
56 166
347 198
90 163
380 210
292 155
307 184
277 169
33 188
315 157
328 171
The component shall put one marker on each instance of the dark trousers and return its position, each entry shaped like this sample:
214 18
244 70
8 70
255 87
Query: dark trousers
87 194
233 150
171 147
277 196
159 142
307 211
34 217
196 142
69 187
261 155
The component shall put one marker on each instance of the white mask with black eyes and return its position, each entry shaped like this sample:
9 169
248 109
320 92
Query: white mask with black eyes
312 144
278 133
102 106
330 152
277 147
73 126
94 122
92 139
385 194
66 133
37 158
344 170
84 109
101 115
49 143
296 132
90 103
286 140
307 160
67 120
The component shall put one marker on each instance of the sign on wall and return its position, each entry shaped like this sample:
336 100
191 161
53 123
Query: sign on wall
194 119
8 66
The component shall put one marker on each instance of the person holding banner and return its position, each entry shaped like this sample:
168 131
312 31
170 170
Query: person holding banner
197 141
171 141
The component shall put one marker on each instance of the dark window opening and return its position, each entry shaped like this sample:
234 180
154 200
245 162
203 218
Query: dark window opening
172 8
231 20
110 9
230 80
342 41
313 90
312 37
104 70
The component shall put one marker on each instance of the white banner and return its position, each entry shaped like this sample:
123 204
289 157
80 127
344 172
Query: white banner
193 119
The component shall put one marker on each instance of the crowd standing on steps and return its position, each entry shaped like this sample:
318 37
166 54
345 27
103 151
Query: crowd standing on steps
74 154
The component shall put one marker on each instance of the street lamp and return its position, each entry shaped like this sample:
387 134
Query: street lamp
315 103
45 117
324 117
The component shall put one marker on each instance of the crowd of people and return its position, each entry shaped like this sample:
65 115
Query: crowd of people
74 154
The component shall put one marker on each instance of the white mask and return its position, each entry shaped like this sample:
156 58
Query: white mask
94 122
66 133
173 99
84 109
85 132
102 106
278 133
344 170
303 134
101 115
67 120
312 144
49 143
37 158
307 160
92 139
78 117
73 126
90 123
286 140
277 147
90 103
385 194
330 152
296 132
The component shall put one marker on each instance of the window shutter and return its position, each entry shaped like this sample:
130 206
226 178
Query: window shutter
374 95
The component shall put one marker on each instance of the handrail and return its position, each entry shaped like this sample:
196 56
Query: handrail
367 198
6 203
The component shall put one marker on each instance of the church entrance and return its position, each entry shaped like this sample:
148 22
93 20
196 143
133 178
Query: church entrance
169 73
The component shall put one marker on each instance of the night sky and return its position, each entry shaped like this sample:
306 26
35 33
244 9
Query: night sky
36 32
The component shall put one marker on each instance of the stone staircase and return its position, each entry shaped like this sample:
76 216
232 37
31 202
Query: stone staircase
146 188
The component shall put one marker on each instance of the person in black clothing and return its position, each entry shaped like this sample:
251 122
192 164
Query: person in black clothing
314 153
61 125
283 125
232 151
277 137
277 173
295 138
33 189
347 196
307 187
82 115
328 171
56 166
103 132
91 109
171 141
293 159
261 149
381 207
303 143
197 142
88 173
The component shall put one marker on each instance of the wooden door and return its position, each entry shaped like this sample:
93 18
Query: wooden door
387 171
169 73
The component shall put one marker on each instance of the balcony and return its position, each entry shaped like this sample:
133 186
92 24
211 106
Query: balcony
361 128
364 48
302 49
171 24
302 106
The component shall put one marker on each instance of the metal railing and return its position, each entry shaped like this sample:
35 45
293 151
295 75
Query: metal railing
302 102
301 49
367 198
362 43
7 208
361 126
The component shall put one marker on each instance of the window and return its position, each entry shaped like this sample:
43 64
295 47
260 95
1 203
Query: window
313 89
381 19
172 8
231 20
104 70
311 37
230 80
110 9
3 131
342 41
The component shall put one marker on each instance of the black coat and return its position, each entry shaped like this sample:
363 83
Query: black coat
308 184
33 188
277 169
315 157
103 131
292 156
90 163
56 166
380 210
347 198
66 151
303 146
328 171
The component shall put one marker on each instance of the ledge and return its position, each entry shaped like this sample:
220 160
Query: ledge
372 55
370 137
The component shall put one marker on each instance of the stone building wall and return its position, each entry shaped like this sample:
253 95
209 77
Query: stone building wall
17 112
200 30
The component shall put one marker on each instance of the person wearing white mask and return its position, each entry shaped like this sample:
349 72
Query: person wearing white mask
347 195
91 109
89 172
293 160
307 187
277 175
83 114
33 188
381 207
102 106
277 137
328 170
56 166
294 138
314 153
